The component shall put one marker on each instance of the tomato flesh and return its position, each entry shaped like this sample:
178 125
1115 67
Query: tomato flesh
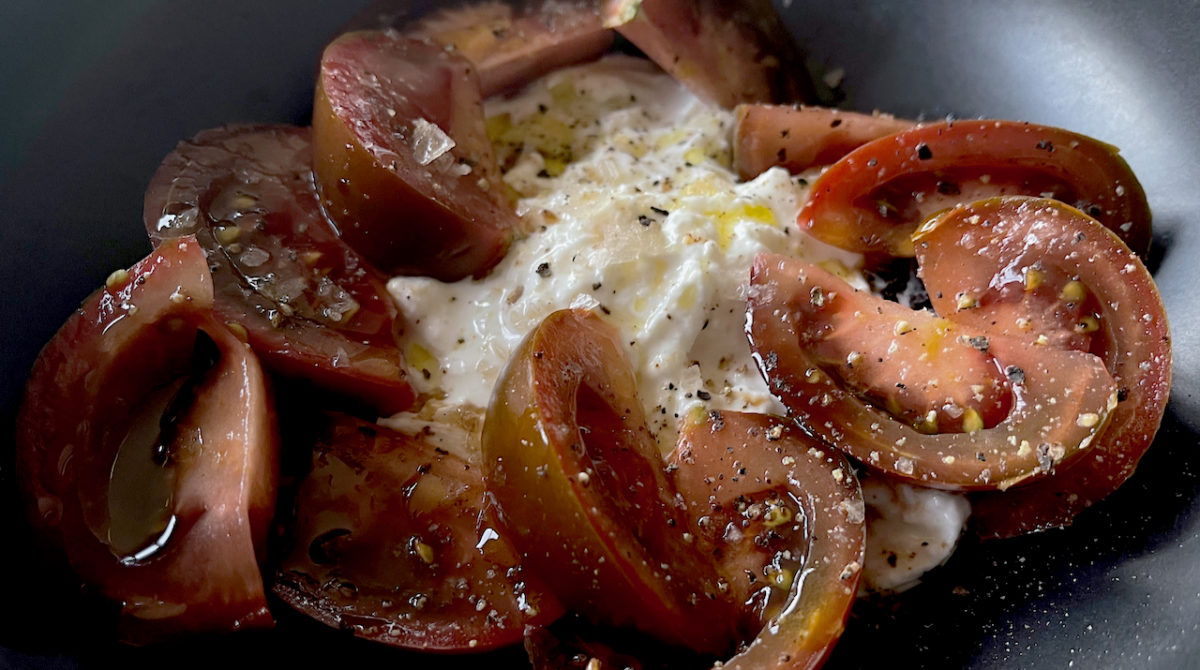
157 483
579 480
873 199
402 158
924 370
1061 399
725 53
395 541
310 306
511 46
785 516
1051 274
798 138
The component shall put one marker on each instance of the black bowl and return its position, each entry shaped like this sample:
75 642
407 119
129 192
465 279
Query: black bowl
94 97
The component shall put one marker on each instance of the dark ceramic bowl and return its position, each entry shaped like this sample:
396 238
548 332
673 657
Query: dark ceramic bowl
92 96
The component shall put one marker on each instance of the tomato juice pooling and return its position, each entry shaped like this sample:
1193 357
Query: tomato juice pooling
629 207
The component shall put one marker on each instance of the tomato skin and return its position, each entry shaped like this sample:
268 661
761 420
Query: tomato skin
137 334
873 199
396 541
511 46
988 249
726 53
405 211
578 478
735 460
798 138
311 308
1036 435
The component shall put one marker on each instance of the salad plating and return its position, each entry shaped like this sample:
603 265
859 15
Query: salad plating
1060 379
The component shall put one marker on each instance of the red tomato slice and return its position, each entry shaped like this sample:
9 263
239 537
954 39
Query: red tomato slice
1050 273
786 518
579 480
309 305
155 475
402 157
396 541
727 53
510 46
872 200
1061 399
798 138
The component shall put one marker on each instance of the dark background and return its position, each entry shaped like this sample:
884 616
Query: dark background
93 95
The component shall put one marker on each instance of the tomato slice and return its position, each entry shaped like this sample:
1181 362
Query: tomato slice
309 305
402 158
798 138
154 474
786 517
510 46
872 200
726 53
579 480
395 540
1060 402
924 370
1050 273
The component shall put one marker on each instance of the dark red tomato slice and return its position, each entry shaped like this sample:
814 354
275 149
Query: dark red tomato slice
786 517
727 53
402 158
798 138
923 370
309 305
580 482
395 541
146 442
512 45
1038 267
872 200
1060 403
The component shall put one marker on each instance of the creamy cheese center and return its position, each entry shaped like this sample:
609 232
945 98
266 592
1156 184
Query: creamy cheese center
630 208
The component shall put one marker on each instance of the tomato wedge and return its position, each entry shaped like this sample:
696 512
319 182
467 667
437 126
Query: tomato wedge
402 157
579 480
1047 272
1060 402
146 442
395 540
798 138
872 200
727 53
310 307
510 46
786 517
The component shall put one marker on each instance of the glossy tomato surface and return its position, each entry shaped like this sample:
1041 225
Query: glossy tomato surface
104 94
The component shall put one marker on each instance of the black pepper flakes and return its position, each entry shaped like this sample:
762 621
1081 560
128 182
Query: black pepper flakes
660 211
543 270
923 152
703 395
1015 374
980 342
645 220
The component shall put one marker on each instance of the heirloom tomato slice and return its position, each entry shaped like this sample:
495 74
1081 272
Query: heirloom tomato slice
146 443
1049 274
1060 399
309 305
397 542
727 53
511 44
797 138
402 158
873 199
579 481
785 516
